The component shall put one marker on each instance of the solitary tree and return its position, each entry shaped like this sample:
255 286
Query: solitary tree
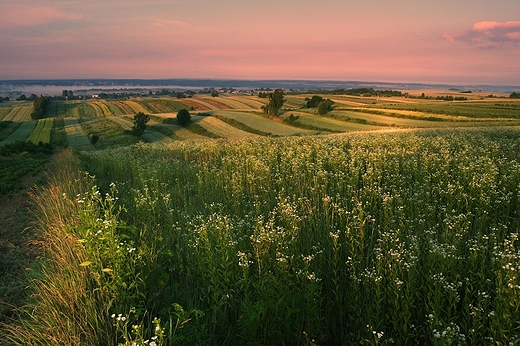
140 120
39 107
183 117
275 102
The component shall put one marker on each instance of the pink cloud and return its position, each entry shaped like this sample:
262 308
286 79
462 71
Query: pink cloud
488 34
515 35
19 15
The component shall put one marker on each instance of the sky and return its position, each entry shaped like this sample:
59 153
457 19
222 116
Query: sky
410 41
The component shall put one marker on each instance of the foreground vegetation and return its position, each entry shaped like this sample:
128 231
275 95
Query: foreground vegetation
219 232
406 238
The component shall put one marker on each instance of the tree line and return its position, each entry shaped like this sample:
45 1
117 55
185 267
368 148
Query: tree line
355 92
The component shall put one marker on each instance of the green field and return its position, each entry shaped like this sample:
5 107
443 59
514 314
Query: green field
21 132
389 221
42 131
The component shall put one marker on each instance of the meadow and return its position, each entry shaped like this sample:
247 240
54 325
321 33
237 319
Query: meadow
401 234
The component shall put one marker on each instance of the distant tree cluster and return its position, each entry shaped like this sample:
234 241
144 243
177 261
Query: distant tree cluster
263 94
451 98
358 92
67 94
515 95
314 101
2 99
25 98
323 105
275 102
39 107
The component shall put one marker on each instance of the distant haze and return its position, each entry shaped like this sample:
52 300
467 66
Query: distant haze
91 86
441 42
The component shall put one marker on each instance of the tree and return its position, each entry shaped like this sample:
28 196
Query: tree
39 107
275 103
325 106
183 117
514 95
314 101
214 93
140 120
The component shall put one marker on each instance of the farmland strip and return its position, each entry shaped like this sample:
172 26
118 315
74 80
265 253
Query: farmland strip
76 137
21 133
42 131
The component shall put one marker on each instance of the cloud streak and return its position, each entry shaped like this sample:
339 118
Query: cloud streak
20 15
488 34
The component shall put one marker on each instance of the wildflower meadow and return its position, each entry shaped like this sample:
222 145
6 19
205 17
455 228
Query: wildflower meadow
407 237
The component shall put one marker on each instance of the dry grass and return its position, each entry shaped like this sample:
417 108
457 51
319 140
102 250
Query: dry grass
63 309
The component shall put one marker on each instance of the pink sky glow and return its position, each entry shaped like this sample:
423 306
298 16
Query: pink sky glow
374 40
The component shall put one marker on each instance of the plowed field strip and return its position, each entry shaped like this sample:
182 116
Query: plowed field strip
114 109
124 107
232 103
76 137
21 133
179 132
104 108
137 107
331 124
197 104
3 112
214 103
123 121
224 130
157 137
97 109
160 105
254 103
19 114
42 131
264 124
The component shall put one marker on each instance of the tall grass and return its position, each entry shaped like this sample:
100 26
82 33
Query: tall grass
407 238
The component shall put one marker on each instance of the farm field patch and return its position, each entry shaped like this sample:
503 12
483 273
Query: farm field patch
76 136
19 114
21 132
42 131
196 104
224 130
263 124
330 124
7 128
162 105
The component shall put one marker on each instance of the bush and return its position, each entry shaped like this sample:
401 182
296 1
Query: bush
94 139
183 117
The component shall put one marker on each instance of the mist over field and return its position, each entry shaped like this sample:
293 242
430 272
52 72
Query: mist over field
83 86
